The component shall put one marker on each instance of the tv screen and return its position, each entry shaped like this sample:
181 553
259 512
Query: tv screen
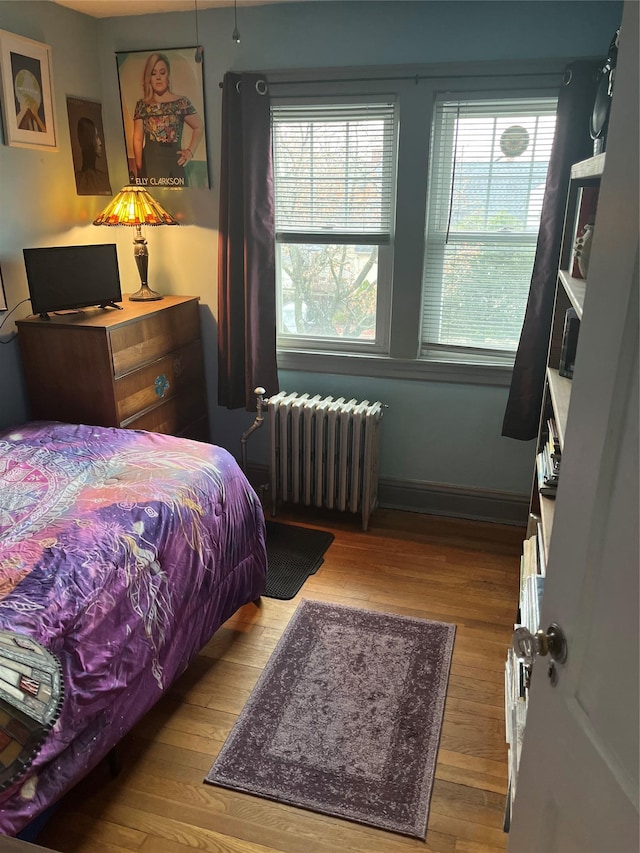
71 277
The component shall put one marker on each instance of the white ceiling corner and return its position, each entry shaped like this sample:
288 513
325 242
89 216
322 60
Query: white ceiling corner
120 8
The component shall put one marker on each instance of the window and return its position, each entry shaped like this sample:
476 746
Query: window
486 183
407 213
334 168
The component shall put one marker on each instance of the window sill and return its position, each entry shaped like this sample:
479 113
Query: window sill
383 367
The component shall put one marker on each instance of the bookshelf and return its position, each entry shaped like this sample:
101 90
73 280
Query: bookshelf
559 388
571 289
575 289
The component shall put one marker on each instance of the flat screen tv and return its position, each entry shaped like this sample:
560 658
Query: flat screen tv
72 277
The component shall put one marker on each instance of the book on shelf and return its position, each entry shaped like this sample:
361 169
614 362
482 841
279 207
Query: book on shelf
528 562
540 550
551 465
516 689
524 679
569 343
547 480
553 438
507 703
518 722
532 599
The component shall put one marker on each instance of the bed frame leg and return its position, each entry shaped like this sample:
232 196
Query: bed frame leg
114 762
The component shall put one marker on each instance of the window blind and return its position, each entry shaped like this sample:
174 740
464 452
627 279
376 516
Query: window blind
486 185
334 172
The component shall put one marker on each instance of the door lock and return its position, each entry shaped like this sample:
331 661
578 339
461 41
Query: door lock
551 642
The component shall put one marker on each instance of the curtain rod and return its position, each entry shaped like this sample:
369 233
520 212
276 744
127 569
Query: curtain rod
415 77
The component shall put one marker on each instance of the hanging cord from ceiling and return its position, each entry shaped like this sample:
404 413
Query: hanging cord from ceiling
199 48
235 35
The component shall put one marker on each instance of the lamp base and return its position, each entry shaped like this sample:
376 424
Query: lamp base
145 294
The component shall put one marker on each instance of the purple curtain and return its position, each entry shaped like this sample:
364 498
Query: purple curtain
572 143
246 258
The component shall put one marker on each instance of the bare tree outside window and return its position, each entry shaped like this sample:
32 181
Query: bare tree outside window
333 204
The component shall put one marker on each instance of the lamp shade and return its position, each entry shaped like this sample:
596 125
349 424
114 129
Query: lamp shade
134 206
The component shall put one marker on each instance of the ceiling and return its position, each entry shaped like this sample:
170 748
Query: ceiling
119 8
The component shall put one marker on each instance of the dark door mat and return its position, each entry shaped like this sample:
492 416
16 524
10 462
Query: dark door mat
293 553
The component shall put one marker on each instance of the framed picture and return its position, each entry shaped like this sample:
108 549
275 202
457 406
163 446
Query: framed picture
3 295
27 92
162 98
88 147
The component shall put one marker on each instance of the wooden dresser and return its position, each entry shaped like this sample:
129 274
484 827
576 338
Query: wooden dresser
140 368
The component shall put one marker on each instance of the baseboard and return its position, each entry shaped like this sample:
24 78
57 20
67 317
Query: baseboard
454 501
437 499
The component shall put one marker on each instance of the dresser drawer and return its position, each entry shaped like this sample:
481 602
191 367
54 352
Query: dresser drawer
141 367
197 431
136 344
175 415
163 379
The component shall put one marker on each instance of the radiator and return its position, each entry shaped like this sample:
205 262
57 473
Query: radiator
323 452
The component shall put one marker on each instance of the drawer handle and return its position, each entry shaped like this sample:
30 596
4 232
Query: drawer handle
177 366
161 384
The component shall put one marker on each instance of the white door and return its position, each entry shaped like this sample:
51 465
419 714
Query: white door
577 789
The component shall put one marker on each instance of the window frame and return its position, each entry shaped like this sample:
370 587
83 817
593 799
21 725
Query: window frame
415 89
313 343
320 344
435 239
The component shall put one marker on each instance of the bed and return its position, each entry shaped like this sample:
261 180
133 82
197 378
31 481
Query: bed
121 553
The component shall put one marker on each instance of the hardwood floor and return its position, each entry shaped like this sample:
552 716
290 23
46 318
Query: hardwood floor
435 568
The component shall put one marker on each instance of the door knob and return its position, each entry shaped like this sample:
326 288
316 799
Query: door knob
550 642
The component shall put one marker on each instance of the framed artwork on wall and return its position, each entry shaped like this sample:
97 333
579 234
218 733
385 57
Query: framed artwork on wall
162 99
88 147
27 92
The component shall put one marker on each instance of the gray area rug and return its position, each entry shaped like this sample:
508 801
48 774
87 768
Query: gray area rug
345 720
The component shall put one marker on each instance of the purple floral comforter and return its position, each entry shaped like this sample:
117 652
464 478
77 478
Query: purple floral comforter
121 552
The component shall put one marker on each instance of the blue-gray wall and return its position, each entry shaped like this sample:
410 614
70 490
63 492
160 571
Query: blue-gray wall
435 434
